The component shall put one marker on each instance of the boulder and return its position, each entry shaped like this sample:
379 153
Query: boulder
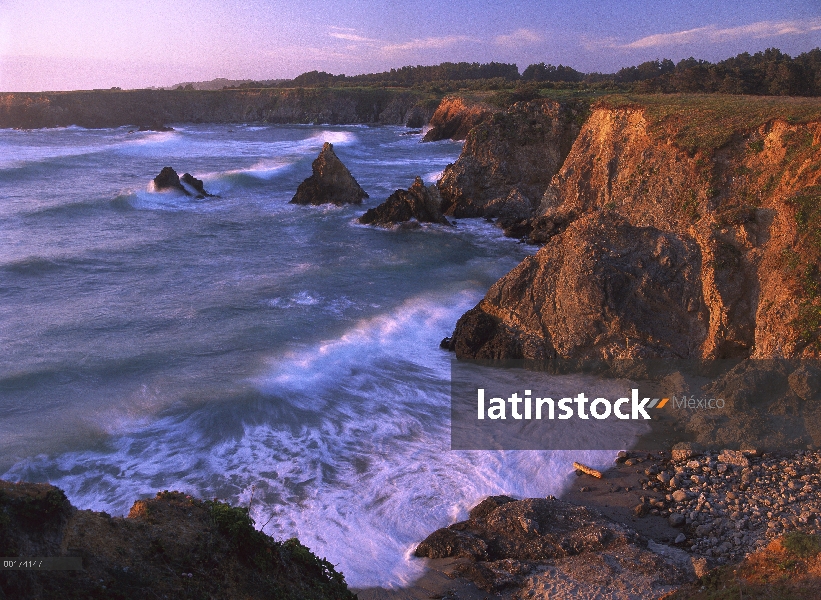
169 180
418 202
195 183
532 543
330 183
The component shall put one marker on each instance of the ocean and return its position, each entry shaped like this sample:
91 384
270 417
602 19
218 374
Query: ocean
238 347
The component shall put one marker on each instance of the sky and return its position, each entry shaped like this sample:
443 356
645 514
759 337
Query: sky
87 44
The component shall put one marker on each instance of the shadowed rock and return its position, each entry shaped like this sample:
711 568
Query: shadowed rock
417 202
330 183
169 180
520 149
505 542
195 183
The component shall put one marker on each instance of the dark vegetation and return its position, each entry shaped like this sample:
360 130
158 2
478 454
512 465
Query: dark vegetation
768 73
170 546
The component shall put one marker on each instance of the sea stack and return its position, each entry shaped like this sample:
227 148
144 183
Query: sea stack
169 180
330 183
418 202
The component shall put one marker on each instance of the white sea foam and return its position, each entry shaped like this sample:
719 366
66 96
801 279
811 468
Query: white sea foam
335 137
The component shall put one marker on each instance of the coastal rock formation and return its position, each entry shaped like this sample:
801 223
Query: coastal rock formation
521 148
172 546
169 180
455 117
734 213
419 202
330 183
553 546
113 108
603 289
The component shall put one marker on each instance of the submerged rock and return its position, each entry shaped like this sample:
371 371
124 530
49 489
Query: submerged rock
330 183
418 202
169 180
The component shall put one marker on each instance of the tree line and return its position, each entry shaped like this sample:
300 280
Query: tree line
770 72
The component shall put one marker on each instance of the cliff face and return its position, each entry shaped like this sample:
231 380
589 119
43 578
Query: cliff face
455 117
666 251
149 107
521 148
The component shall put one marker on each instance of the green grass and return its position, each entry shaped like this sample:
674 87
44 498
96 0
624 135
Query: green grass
805 261
706 122
802 545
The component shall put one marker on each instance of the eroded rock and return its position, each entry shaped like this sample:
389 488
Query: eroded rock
602 289
536 542
520 149
169 180
419 202
330 183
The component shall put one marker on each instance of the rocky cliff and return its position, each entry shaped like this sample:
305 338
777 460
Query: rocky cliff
455 117
508 161
113 108
676 227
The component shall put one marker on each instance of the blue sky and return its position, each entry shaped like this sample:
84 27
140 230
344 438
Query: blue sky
51 44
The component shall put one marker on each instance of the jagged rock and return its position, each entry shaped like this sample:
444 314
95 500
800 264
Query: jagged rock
455 117
602 289
805 382
514 207
418 202
169 180
417 117
195 183
685 450
506 541
330 183
521 148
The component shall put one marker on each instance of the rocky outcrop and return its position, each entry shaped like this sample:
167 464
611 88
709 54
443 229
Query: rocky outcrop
724 248
455 117
169 180
113 108
419 202
330 183
518 150
561 549
172 546
603 289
